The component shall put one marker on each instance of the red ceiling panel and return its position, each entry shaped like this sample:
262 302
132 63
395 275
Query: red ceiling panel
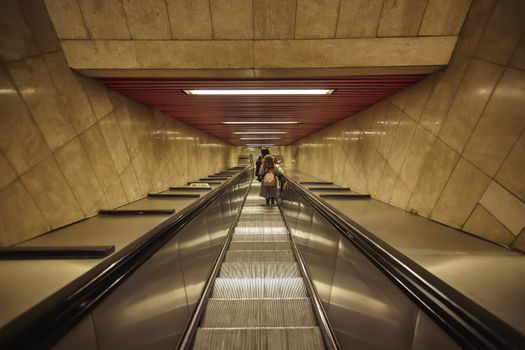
352 94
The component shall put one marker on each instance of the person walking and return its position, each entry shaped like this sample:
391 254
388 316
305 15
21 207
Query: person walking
258 165
264 152
269 173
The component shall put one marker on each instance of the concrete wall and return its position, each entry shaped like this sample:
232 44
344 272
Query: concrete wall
452 147
68 146
250 38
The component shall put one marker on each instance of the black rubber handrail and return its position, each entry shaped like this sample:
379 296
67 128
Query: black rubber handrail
344 196
131 212
173 195
188 188
466 321
329 189
41 326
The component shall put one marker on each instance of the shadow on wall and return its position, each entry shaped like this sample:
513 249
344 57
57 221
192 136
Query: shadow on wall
68 146
451 147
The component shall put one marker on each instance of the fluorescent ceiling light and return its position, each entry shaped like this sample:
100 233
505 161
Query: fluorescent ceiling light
259 144
260 92
260 138
260 132
291 122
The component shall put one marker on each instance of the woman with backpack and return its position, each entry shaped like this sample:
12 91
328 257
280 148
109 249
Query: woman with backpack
269 173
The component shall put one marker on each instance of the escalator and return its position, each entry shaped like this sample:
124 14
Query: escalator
230 272
259 299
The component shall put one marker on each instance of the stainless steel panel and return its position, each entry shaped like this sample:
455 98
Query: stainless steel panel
303 228
321 255
197 257
81 337
290 207
217 227
367 310
226 209
428 336
149 310
292 215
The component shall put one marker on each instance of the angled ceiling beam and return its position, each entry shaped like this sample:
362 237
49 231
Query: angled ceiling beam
260 58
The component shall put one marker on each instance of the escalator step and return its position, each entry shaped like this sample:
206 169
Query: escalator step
259 256
252 213
246 288
259 270
258 313
260 245
300 338
239 237
261 219
261 229
260 222
260 210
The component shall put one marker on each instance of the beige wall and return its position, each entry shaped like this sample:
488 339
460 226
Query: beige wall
68 146
452 147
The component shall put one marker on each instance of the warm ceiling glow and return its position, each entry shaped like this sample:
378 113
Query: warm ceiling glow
260 132
260 138
291 122
260 92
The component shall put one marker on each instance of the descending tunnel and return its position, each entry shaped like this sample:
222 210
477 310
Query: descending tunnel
266 174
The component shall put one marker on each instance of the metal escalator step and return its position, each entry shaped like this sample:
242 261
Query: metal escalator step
260 245
259 270
260 210
259 256
261 229
246 288
258 225
258 313
291 338
258 216
262 216
254 237
260 222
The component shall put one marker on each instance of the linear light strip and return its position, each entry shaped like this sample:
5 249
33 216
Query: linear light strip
260 132
259 144
260 138
263 122
215 92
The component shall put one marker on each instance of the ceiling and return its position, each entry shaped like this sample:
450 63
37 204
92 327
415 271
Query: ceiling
261 19
352 94
151 50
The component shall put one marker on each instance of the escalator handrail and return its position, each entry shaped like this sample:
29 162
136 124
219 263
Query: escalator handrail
42 325
470 324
